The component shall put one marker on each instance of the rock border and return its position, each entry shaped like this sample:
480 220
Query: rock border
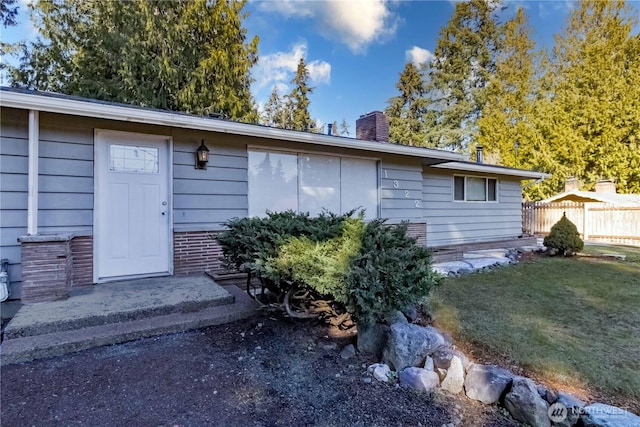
424 359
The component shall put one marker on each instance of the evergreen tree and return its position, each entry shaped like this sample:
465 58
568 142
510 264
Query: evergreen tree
593 123
334 129
299 98
180 55
273 114
459 74
406 111
8 13
508 127
344 128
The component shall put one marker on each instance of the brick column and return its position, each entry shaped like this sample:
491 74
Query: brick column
46 267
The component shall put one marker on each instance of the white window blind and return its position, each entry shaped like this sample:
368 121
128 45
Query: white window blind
311 183
273 182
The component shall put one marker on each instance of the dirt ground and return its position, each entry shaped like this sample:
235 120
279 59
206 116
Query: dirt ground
268 371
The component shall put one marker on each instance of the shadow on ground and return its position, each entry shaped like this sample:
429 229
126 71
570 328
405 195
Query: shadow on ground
266 371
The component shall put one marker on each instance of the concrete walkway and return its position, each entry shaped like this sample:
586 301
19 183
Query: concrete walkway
475 260
118 312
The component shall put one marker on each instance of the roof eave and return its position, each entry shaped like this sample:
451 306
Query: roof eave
492 169
75 107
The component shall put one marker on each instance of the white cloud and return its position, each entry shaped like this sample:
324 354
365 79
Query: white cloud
319 72
356 23
277 69
418 55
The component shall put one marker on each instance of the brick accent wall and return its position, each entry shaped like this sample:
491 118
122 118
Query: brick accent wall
46 270
196 251
418 230
82 267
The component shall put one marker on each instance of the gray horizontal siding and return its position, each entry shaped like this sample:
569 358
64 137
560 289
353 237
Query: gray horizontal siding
205 199
450 222
65 200
400 189
13 190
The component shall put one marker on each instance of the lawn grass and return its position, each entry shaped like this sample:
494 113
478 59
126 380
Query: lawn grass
572 322
631 253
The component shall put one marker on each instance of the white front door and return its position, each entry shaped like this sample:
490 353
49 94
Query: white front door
132 213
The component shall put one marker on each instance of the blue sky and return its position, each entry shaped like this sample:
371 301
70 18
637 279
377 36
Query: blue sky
355 49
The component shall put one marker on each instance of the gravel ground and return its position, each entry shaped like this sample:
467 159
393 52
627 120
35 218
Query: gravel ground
267 371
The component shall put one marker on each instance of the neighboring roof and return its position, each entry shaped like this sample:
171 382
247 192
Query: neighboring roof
594 197
76 106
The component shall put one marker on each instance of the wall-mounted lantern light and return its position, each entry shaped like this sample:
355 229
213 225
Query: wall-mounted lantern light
202 156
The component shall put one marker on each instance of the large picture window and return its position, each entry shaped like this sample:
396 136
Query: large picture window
310 183
474 189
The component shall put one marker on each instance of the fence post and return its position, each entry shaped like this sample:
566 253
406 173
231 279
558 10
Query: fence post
585 223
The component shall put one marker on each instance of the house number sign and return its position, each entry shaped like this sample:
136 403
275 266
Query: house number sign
396 184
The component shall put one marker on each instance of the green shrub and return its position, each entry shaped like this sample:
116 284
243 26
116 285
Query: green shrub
372 268
323 265
390 272
564 237
247 243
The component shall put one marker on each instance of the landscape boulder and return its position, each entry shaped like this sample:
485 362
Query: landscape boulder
525 404
409 345
571 408
419 379
486 383
601 415
372 338
454 380
348 352
428 364
380 372
442 357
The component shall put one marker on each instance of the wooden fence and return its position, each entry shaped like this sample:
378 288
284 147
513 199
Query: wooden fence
598 222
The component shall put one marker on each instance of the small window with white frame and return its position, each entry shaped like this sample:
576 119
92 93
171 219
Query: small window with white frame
474 189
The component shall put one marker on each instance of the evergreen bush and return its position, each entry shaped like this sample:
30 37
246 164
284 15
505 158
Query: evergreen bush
564 238
248 243
373 268
322 265
391 272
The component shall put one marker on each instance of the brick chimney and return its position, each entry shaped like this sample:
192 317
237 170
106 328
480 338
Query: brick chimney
606 186
373 126
571 183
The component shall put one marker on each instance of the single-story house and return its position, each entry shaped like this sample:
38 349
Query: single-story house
94 191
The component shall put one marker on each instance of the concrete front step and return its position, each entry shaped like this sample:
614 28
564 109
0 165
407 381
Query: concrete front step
118 302
25 349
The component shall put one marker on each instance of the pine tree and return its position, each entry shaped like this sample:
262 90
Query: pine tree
180 55
334 129
593 124
344 128
406 111
8 13
273 114
508 128
299 97
459 74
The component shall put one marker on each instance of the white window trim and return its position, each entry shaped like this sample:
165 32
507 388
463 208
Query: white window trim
378 161
486 178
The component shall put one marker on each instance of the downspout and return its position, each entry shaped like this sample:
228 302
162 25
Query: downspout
32 198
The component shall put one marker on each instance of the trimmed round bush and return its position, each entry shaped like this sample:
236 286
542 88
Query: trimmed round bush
564 238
